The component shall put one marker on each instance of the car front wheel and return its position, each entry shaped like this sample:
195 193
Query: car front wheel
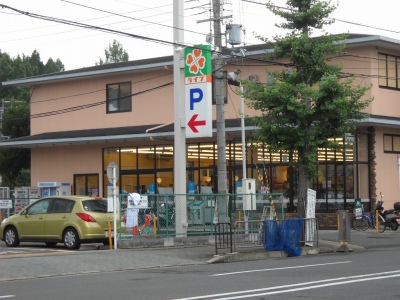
71 239
11 237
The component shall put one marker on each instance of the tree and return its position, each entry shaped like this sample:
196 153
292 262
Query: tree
310 100
53 66
15 163
114 53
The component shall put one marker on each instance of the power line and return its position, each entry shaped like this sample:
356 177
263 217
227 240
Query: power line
95 91
90 105
136 19
332 19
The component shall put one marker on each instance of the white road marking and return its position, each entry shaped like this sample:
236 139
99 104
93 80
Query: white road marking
283 268
7 296
289 287
311 287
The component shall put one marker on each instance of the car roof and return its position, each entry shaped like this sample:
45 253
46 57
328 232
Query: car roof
74 197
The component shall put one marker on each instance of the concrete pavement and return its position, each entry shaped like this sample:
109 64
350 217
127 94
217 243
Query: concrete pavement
94 258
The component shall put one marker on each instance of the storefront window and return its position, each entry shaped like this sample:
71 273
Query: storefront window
110 155
337 182
128 158
362 145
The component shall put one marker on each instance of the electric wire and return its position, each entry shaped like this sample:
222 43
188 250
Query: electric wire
90 105
331 19
131 18
96 91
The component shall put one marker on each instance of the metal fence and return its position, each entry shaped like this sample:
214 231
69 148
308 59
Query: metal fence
201 213
250 234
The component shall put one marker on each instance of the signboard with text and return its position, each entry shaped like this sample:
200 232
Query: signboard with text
198 91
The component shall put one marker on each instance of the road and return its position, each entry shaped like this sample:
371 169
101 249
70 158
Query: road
349 275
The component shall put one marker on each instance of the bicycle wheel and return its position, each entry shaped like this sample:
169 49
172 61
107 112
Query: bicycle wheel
360 224
381 224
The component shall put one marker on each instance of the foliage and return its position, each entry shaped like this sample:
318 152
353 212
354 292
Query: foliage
310 101
15 163
113 54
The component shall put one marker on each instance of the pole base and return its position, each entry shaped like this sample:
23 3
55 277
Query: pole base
344 248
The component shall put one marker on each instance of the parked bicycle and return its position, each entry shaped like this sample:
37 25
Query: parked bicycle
367 220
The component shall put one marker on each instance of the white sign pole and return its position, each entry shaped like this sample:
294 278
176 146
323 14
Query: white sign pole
310 214
115 205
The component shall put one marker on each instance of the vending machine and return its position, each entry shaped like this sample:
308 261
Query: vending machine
55 188
21 195
34 194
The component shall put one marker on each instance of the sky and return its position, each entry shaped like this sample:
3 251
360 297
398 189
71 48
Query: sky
80 47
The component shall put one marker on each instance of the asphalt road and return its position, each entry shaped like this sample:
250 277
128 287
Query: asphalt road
183 274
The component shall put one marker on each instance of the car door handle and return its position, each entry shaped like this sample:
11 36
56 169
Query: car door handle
41 218
64 217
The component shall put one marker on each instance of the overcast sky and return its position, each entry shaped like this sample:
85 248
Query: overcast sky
78 47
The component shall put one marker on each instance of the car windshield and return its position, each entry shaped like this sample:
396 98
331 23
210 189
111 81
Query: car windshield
95 205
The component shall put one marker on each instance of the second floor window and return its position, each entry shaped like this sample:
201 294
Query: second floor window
391 143
119 97
389 67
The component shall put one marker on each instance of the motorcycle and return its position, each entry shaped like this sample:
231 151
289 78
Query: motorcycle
391 216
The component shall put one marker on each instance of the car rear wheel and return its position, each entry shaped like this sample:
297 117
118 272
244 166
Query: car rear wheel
11 237
71 239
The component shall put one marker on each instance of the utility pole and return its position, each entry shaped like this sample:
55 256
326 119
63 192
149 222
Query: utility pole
179 121
222 201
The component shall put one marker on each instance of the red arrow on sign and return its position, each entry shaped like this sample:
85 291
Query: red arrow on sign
193 123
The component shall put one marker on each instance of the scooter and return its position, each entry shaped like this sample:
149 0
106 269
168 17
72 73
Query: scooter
391 216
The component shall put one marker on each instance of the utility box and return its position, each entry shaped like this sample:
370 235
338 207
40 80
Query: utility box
249 193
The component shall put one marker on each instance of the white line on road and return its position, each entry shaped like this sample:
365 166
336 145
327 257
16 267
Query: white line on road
289 287
7 296
311 287
283 268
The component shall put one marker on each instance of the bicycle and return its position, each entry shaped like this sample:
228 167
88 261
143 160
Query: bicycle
367 220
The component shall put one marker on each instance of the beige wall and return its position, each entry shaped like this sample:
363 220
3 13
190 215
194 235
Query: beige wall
154 107
57 164
387 170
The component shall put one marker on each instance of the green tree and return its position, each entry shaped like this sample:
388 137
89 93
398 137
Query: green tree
113 54
310 100
15 163
53 66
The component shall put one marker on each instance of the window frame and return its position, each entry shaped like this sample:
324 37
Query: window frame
391 136
383 68
120 97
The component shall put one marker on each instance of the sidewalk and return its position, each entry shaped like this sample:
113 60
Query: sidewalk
94 258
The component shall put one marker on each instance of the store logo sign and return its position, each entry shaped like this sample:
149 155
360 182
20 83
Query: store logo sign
198 91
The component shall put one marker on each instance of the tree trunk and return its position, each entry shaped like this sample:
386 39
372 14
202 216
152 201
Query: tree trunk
303 184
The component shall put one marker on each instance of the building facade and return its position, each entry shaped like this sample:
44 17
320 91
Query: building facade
81 120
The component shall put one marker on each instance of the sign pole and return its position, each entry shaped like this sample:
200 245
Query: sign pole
114 181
